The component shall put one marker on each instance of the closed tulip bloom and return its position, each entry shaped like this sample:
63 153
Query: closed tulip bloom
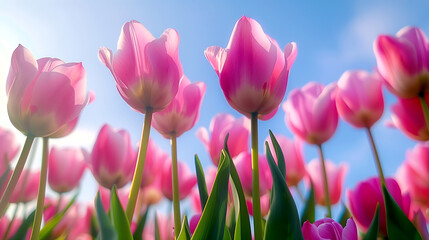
359 98
4 224
8 146
187 180
183 112
363 208
27 187
311 113
147 70
252 69
243 163
221 125
113 158
265 204
329 229
65 168
335 176
403 61
155 159
44 94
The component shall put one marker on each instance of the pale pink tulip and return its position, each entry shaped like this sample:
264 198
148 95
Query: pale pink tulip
294 159
4 223
311 112
403 61
221 125
252 69
147 70
183 112
8 147
151 194
113 158
329 229
407 116
155 159
363 208
335 176
44 95
165 227
187 180
265 204
359 98
27 187
243 163
65 168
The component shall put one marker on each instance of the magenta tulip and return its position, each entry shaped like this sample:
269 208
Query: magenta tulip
253 71
113 158
311 112
359 98
328 229
335 176
221 125
243 163
183 112
44 95
403 61
27 187
194 222
186 180
65 168
147 70
155 159
8 147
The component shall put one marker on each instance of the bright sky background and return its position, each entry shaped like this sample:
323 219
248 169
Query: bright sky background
332 37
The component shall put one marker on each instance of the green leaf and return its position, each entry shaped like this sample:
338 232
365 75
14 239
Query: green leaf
226 234
202 186
119 219
21 233
398 225
372 233
138 233
283 219
231 220
185 233
107 231
212 221
309 211
345 215
279 154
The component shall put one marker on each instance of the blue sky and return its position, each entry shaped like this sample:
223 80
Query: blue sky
332 37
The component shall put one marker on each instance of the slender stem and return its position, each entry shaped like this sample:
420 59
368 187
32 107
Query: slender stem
425 109
175 181
138 173
42 188
257 218
58 207
325 182
377 158
15 175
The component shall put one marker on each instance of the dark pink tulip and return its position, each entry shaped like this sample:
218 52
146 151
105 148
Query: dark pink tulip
252 69
113 157
243 163
8 147
311 112
65 168
4 223
403 61
328 229
155 159
359 98
194 222
363 208
407 116
183 111
147 70
187 180
335 176
221 125
44 95
27 187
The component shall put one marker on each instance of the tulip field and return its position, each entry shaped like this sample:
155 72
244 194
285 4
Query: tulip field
249 181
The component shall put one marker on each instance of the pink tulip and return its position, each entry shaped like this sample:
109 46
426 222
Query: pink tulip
265 204
113 158
220 126
311 112
105 195
328 229
253 71
155 159
4 223
335 176
294 159
403 61
27 187
407 116
210 175
8 147
243 163
65 168
183 112
147 70
165 227
363 208
151 194
359 98
194 222
187 180
44 95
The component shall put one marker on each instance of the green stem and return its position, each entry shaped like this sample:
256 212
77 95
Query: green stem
377 159
42 188
175 181
425 109
138 173
257 218
325 182
15 175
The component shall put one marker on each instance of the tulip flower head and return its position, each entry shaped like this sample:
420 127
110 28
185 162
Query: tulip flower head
27 187
8 147
155 159
328 229
187 180
243 163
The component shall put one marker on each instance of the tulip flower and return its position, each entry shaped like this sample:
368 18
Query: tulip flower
221 125
113 157
27 187
363 209
186 180
335 175
210 175
328 229
165 227
155 158
105 195
243 164
151 194
4 224
194 222
8 147
265 204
